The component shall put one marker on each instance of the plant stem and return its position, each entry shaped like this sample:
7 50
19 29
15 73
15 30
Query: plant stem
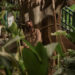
58 60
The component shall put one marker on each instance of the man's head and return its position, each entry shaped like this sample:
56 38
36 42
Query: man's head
29 26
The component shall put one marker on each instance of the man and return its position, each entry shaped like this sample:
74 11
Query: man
32 35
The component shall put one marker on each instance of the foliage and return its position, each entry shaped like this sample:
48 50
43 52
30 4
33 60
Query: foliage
67 67
7 6
71 36
34 60
72 7
31 62
13 30
32 65
71 52
59 50
10 64
2 14
33 50
59 33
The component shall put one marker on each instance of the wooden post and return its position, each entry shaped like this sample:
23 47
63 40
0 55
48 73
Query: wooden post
54 13
55 28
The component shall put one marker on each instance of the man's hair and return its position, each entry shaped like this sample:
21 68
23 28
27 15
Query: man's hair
29 21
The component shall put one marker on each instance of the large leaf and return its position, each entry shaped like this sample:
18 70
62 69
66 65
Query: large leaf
31 62
33 49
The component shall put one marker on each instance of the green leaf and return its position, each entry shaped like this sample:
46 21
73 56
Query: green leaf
59 50
72 36
71 52
58 33
31 62
32 49
72 7
13 28
8 61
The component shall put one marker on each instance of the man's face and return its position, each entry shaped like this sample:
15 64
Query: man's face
29 24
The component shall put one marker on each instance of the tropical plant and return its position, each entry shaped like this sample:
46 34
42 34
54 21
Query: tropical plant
31 62
67 66
35 58
71 36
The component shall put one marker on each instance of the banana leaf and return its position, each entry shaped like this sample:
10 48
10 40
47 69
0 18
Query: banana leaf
31 62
